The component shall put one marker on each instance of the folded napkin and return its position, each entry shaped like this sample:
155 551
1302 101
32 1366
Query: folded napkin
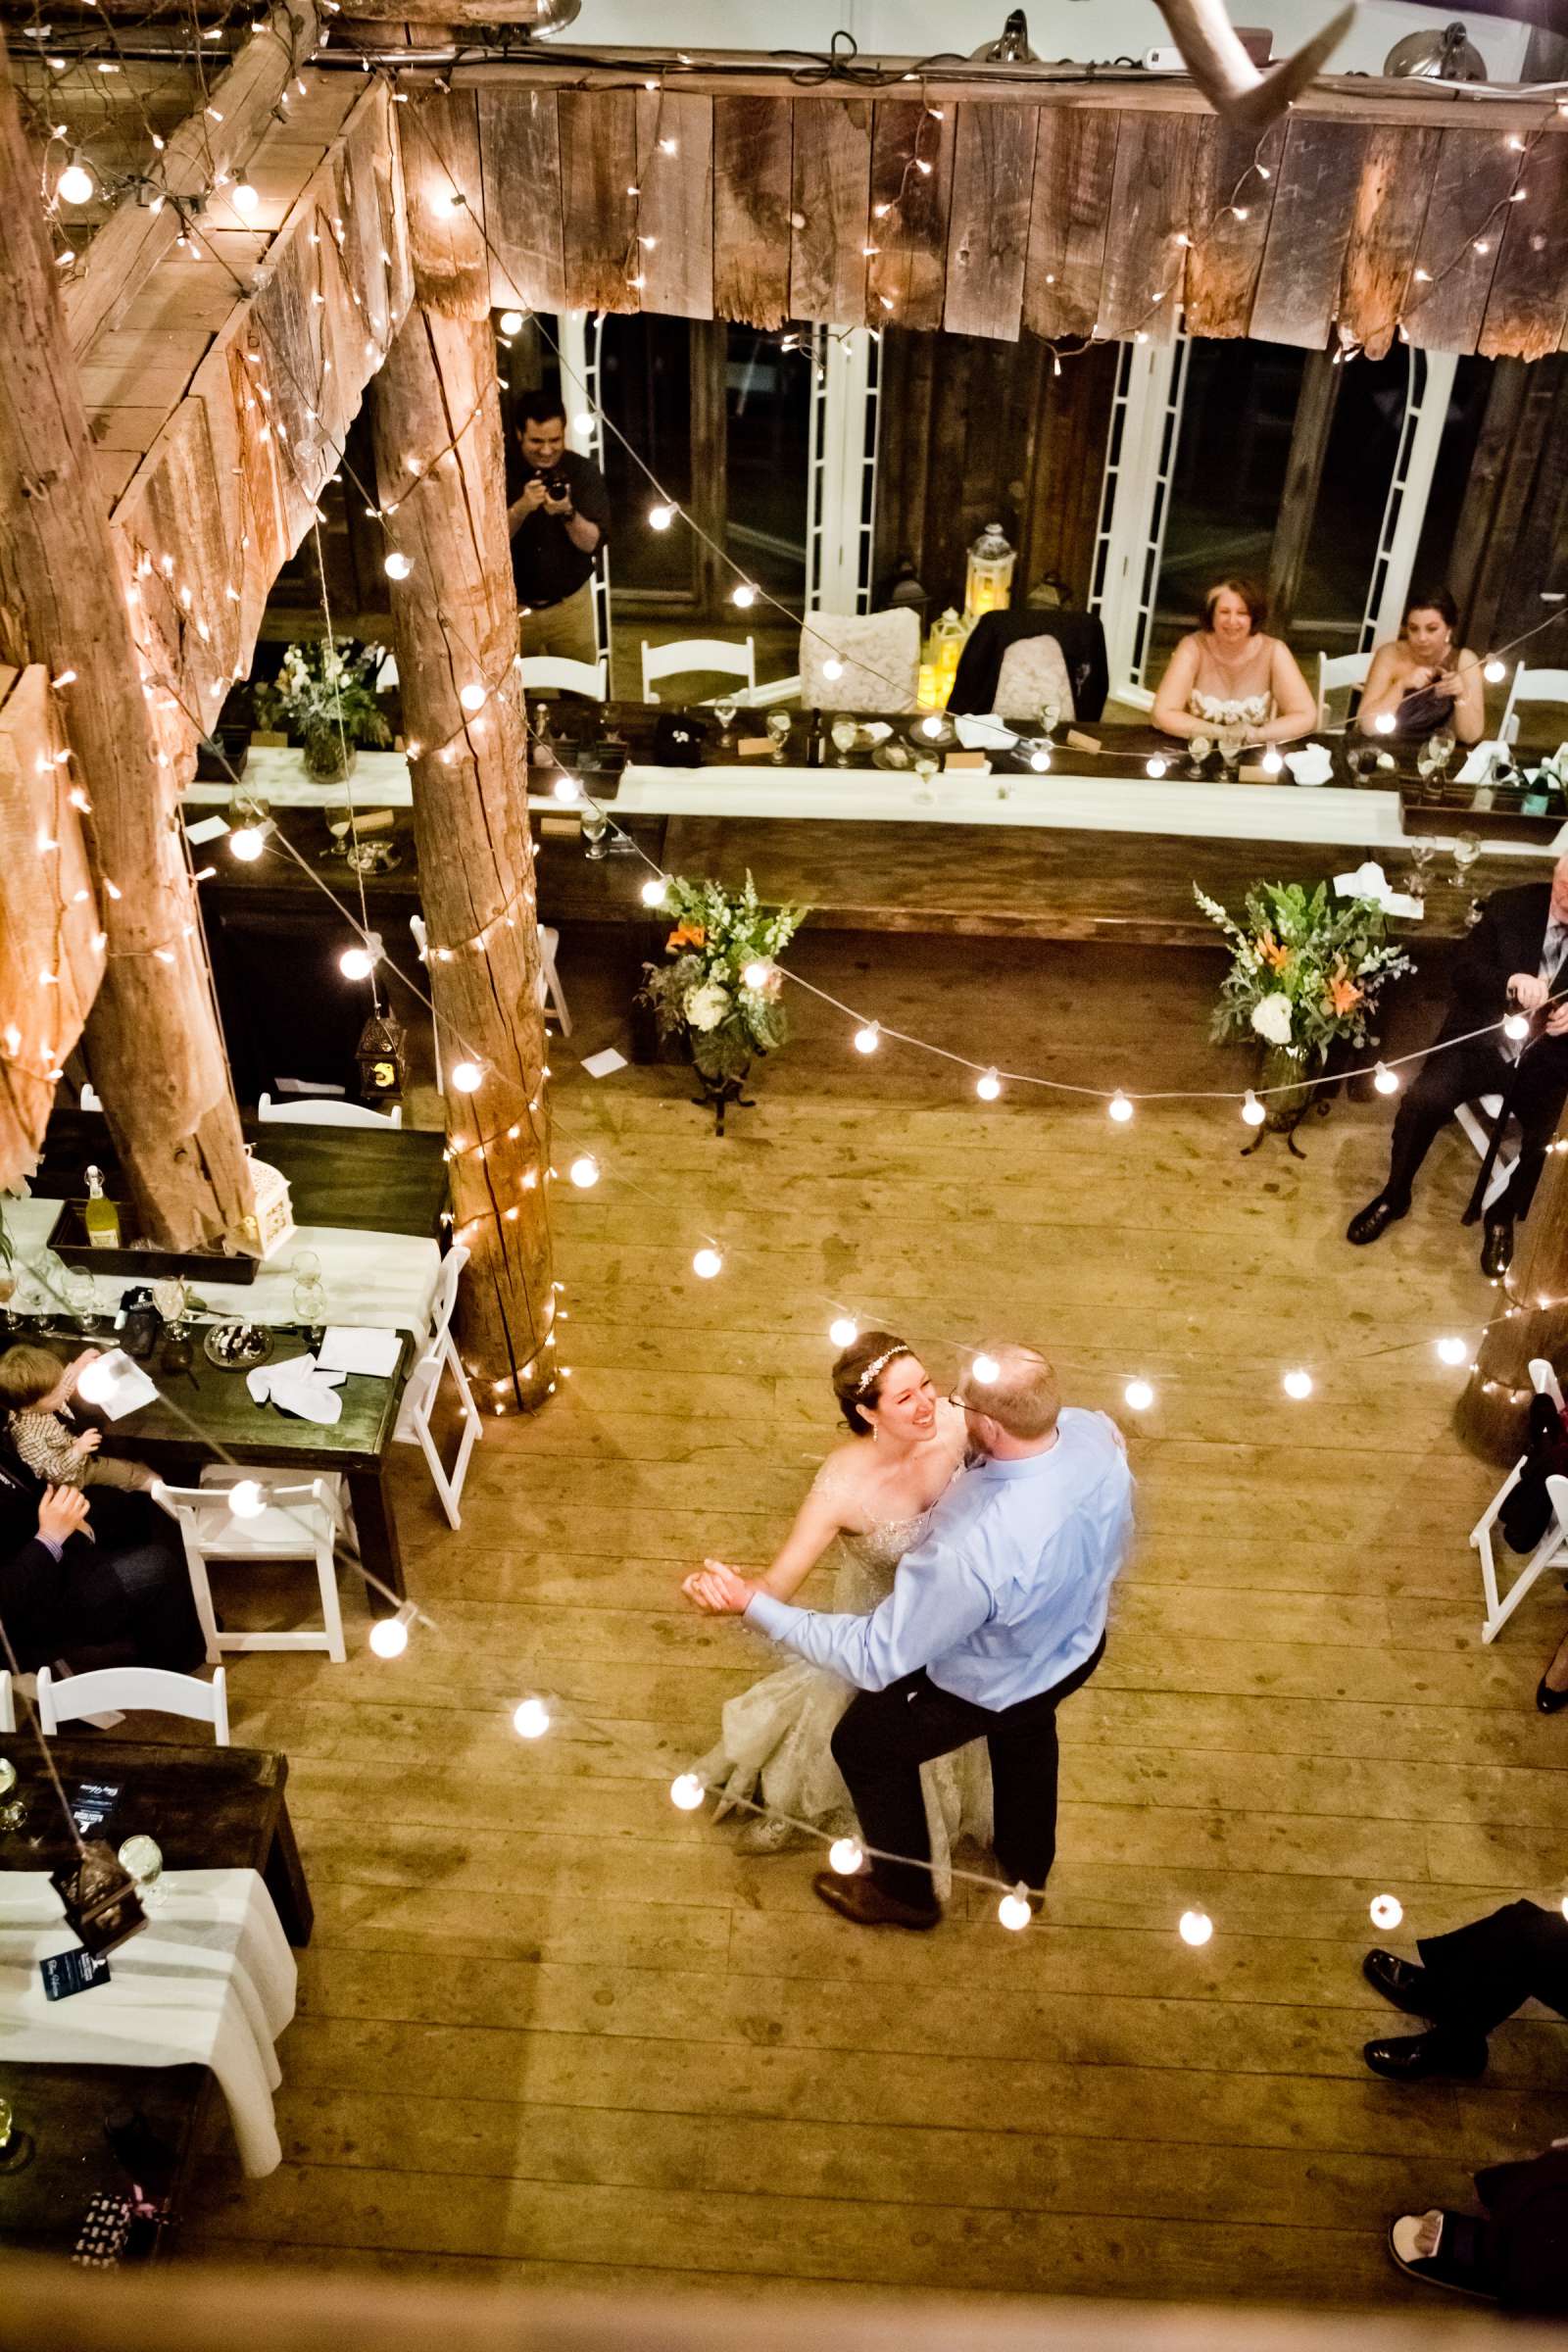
986 734
1478 764
1313 765
1369 881
298 1386
208 1982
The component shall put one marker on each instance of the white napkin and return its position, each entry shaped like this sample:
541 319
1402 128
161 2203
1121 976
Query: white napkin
1478 767
119 1386
298 1386
988 734
1369 881
359 1347
1312 765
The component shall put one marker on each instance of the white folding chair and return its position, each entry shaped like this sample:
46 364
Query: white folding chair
552 671
7 1707
325 1110
152 1690
418 1408
1336 672
1554 1546
1481 1137
1531 686
772 690
717 655
421 941
299 1522
551 992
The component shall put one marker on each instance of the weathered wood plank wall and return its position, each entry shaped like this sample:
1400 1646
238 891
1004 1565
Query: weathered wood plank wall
985 216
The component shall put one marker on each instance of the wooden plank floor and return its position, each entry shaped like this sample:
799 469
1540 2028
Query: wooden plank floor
551 2031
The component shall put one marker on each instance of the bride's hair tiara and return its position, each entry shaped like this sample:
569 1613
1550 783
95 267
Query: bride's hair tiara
879 1363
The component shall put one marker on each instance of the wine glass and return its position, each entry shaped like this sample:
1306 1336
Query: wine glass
724 712
595 830
172 1299
1422 852
1232 744
1466 850
8 1290
778 726
81 1294
143 1857
1443 745
845 733
1050 716
926 762
13 1809
1200 747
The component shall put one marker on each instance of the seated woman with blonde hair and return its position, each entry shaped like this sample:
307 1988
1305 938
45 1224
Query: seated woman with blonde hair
1422 680
1230 673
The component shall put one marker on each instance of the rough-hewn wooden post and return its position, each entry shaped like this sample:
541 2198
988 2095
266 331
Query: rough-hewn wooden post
1532 1308
436 415
157 1054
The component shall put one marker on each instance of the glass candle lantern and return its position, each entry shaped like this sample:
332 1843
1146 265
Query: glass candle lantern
988 582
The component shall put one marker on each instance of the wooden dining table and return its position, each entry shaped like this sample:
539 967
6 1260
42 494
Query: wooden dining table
208 1808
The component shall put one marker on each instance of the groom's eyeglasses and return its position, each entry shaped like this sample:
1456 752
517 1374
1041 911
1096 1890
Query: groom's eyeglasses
962 1403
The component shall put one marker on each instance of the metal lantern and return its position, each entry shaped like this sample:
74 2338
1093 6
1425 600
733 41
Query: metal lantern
100 1900
382 1055
1433 56
987 582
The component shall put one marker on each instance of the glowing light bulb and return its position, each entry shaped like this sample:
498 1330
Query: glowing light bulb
707 1263
74 184
1014 1909
246 844
95 1383
1271 763
564 788
448 202
756 974
653 891
1119 1109
474 696
1297 1384
1494 670
745 596
1386 1081
661 517
246 1500
359 962
244 198
844 1331
1155 768
466 1077
867 1040
389 1636
511 322
1040 762
1516 1026
1195 1927
987 1086
846 1855
1383 724
583 422
1253 1111
398 565
532 1720
687 1790
1453 1351
584 1171
985 1369
832 668
1386 1910
931 726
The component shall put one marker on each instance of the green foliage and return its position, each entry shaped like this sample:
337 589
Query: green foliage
702 995
1308 968
323 686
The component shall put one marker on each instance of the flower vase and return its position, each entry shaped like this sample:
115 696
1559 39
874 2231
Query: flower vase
1287 1097
327 757
720 1088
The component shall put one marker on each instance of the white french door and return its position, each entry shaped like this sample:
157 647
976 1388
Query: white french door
841 469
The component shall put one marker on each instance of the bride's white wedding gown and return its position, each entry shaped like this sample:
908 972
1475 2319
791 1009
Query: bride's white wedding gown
777 1731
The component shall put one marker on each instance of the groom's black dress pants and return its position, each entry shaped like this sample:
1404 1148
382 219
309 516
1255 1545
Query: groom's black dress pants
884 1738
1482 1973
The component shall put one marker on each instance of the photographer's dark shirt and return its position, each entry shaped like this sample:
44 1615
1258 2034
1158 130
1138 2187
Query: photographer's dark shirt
546 564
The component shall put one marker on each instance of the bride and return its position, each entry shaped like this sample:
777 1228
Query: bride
873 1498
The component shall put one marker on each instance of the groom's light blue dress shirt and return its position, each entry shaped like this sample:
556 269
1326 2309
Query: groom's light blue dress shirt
1009 1592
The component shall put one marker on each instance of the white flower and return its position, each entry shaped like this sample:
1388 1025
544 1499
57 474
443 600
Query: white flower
707 1006
1271 1018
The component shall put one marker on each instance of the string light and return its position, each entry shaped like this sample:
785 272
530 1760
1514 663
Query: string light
844 1331
1297 1384
868 1037
1494 670
75 183
1453 1351
654 891
564 788
397 566
1138 1396
985 1369
1271 763
584 1171
359 962
756 975
1040 762
243 197
1253 1111
246 1500
1195 1927
1119 1109
1155 768
1383 724
1386 1910
661 517
1014 1910
987 1086
832 668
246 844
686 1792
511 322
846 1855
474 696
531 1719
708 1262
389 1636
1386 1081
745 596
466 1076
1516 1027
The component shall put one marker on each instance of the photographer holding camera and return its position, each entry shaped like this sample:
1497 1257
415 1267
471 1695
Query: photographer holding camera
557 523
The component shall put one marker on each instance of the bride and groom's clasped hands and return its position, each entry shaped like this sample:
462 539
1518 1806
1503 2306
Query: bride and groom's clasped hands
977 1539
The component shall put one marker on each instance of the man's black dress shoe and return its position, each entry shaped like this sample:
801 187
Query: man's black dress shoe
1496 1250
862 1899
1400 1981
1418 2056
1377 1216
1549 1701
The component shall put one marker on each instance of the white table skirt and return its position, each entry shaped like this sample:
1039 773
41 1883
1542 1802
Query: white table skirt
1077 794
385 1279
208 1982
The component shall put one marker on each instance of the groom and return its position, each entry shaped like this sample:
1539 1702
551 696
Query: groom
992 1622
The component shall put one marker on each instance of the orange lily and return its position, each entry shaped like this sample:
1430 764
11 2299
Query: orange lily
1343 995
1273 955
685 935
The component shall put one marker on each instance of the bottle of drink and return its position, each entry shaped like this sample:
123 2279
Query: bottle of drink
100 1216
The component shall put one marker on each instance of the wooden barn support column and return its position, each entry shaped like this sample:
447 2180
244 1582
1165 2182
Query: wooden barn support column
157 1054
440 468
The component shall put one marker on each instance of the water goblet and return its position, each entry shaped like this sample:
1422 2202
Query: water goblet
1466 850
926 763
143 1857
1200 747
778 726
81 1294
310 1302
13 1809
1443 744
1422 853
845 733
1050 716
172 1299
595 831
724 712
8 1290
1232 744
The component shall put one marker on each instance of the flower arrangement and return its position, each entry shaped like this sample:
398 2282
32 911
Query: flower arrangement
1308 968
722 992
324 694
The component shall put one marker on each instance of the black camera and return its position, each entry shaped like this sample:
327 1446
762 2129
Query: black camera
558 486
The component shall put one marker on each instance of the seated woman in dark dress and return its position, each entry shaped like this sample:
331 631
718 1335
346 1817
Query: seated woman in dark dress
106 1596
1423 680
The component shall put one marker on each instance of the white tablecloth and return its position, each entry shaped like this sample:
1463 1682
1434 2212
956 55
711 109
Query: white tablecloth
208 1982
386 1279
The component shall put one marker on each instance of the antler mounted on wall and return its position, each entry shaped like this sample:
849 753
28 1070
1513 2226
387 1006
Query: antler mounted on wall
1226 75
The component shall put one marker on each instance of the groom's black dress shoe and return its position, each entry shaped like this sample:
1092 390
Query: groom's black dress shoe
1418 2056
862 1899
1376 1218
1399 1982
1548 1700
1496 1250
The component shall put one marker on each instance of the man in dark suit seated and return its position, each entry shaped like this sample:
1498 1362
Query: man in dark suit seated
66 1595
1468 1981
1514 962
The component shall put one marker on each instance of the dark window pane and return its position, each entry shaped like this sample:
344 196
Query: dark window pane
768 395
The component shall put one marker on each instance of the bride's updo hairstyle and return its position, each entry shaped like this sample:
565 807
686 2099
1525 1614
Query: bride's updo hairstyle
859 1372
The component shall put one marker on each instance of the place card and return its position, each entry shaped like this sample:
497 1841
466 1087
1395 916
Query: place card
750 745
359 1347
969 760
208 830
602 1065
1081 742
1250 773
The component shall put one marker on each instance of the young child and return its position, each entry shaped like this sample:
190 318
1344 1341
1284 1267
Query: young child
33 1387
